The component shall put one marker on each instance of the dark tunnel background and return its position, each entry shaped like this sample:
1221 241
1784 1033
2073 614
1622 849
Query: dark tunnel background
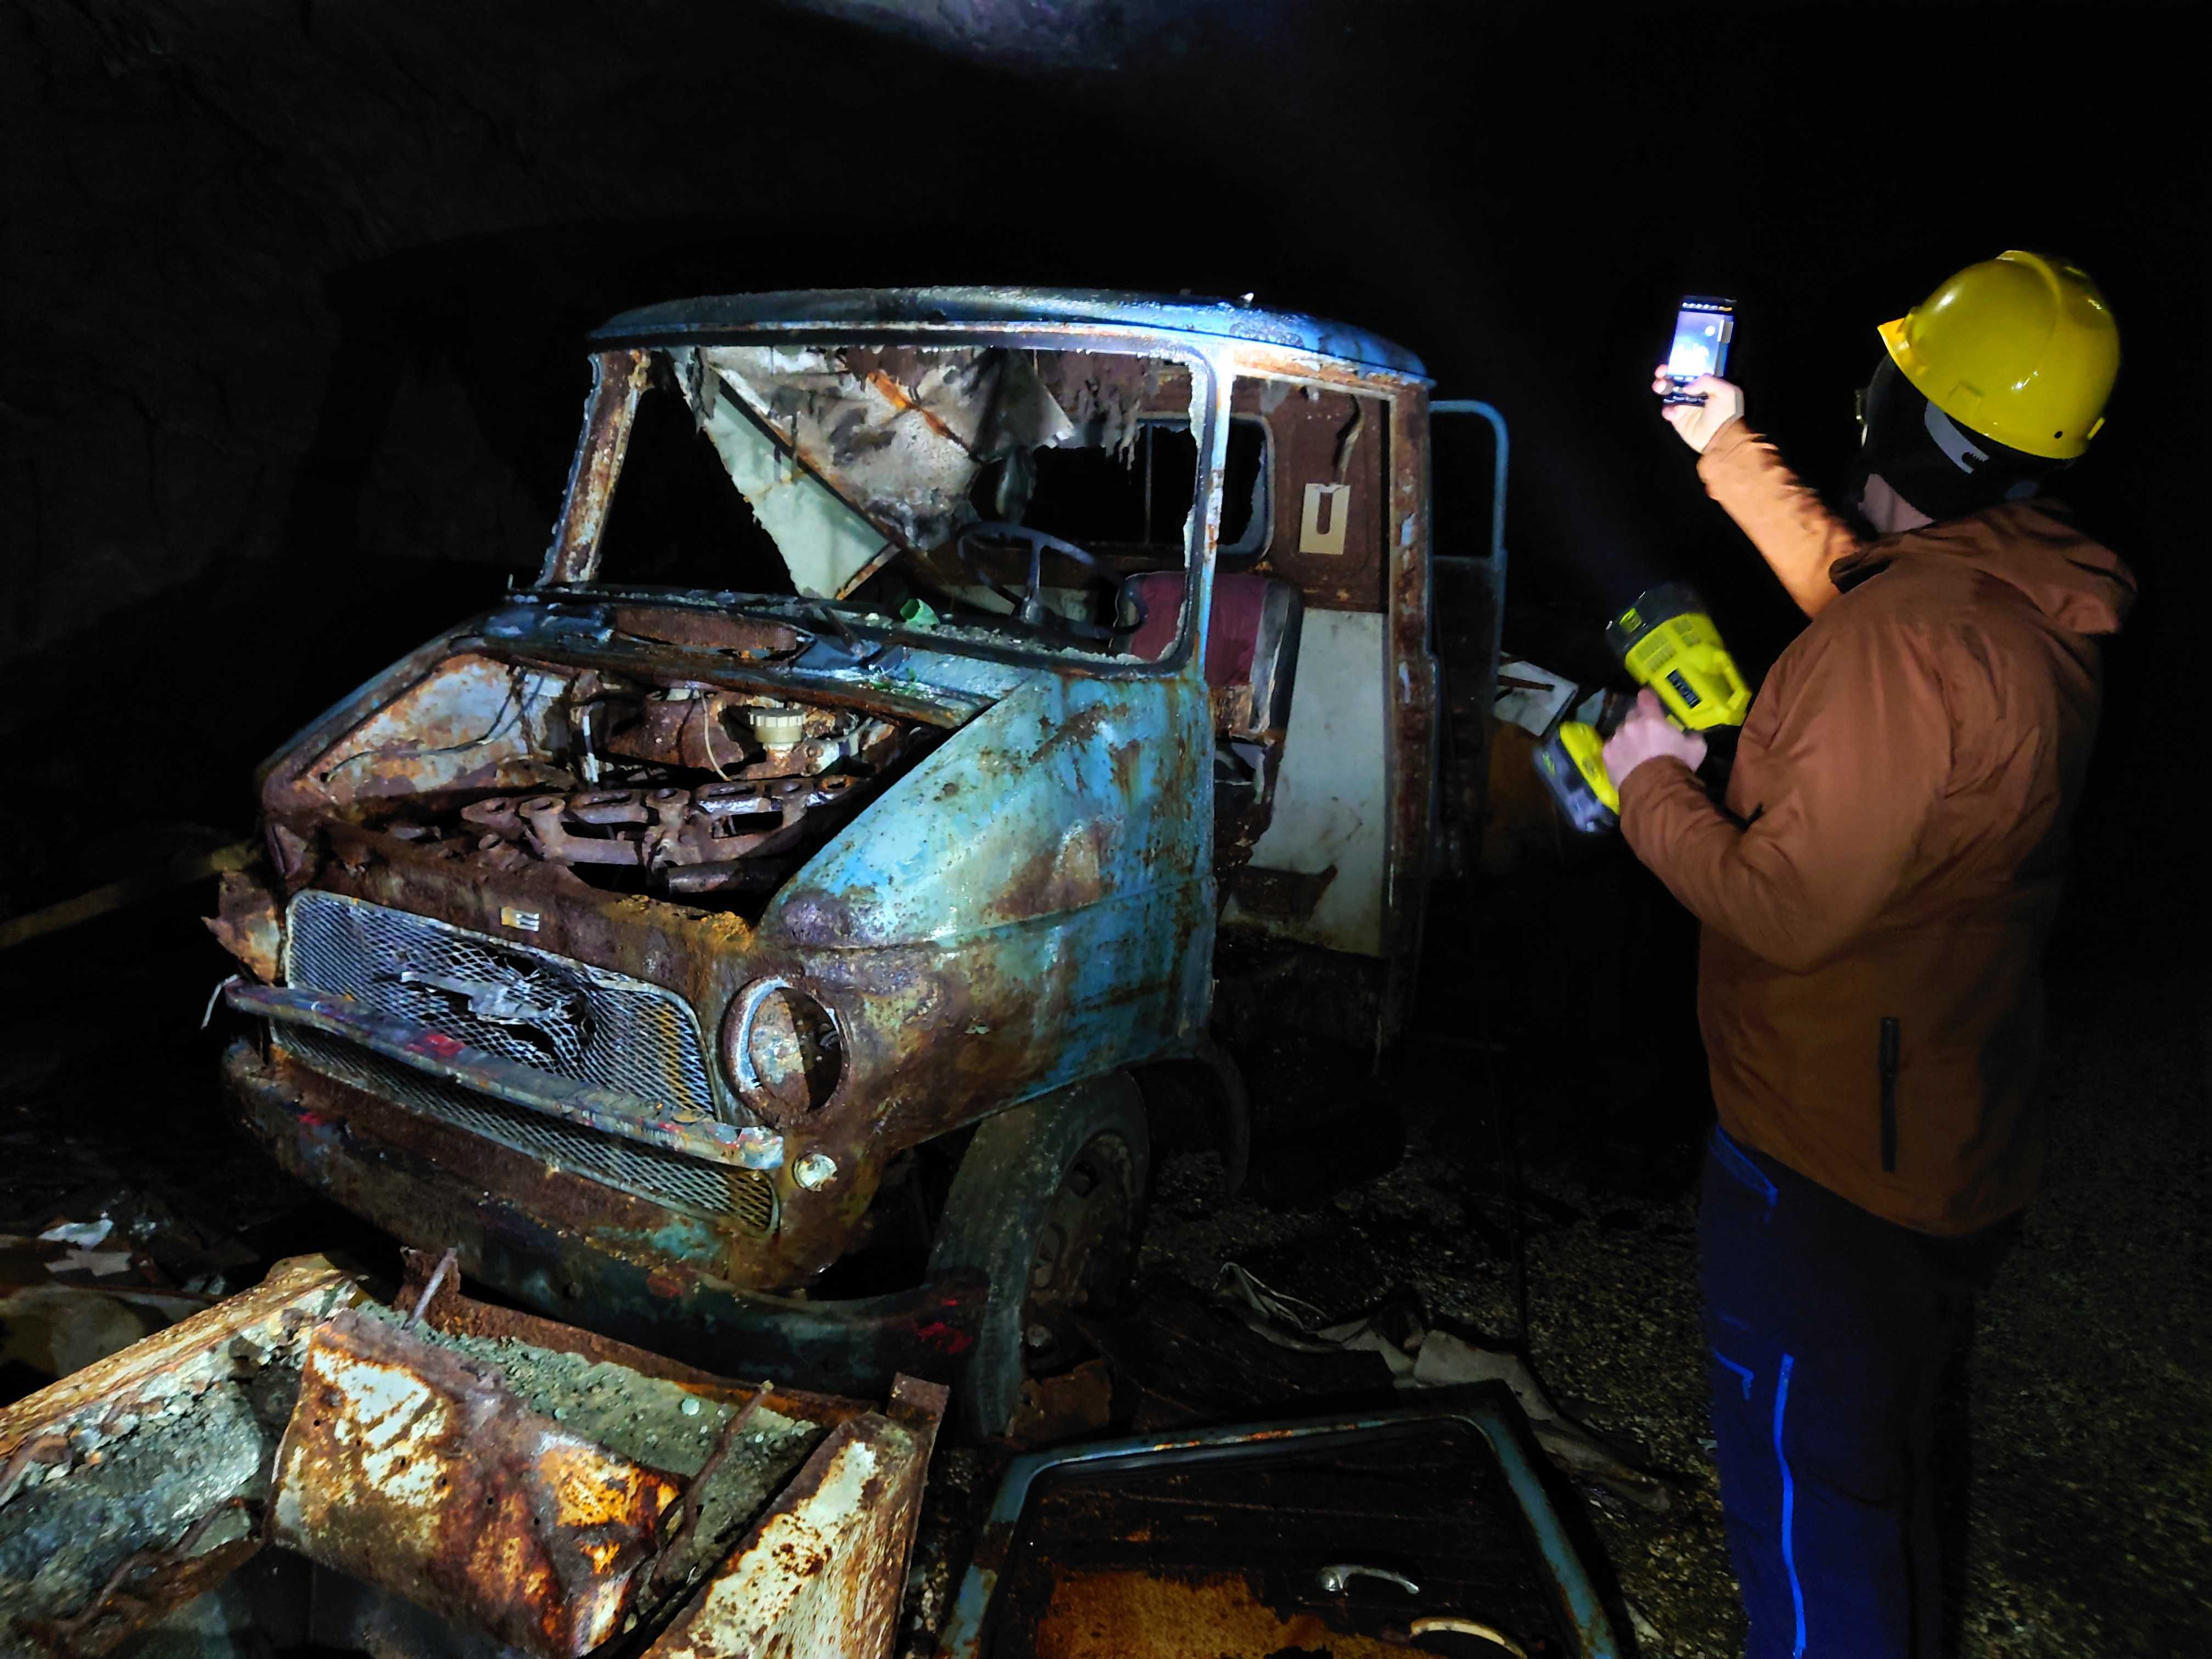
296 295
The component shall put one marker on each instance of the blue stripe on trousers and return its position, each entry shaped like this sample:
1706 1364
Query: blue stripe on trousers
1789 1501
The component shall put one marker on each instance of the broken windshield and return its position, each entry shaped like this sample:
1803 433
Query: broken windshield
975 494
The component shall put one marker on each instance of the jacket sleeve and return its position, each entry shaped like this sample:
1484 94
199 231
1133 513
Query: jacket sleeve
1850 778
1789 524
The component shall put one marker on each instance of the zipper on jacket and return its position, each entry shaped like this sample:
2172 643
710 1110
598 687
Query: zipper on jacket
1889 1093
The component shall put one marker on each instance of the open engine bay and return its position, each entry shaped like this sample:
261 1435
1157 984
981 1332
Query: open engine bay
682 789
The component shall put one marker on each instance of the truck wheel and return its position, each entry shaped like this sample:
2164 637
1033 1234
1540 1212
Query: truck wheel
1046 1203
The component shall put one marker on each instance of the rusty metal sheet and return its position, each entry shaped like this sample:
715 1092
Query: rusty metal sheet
1196 1543
1415 691
442 1305
618 380
408 1467
564 1244
822 1572
1326 468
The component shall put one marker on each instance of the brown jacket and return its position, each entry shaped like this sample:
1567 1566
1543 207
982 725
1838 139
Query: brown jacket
1892 844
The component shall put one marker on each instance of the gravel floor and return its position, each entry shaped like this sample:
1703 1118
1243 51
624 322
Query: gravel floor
2083 1410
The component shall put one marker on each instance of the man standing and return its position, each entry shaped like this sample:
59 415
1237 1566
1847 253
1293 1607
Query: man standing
1875 893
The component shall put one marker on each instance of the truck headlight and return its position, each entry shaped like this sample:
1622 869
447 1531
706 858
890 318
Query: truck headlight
782 1050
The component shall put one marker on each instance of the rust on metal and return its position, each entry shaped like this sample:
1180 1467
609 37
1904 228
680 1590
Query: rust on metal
410 1466
1107 1613
618 380
822 1573
447 1310
666 1569
185 1356
248 924
1414 692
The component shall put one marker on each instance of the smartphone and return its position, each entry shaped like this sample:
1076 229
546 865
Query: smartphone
1703 328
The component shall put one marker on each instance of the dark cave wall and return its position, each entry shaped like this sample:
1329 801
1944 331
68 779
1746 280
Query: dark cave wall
223 347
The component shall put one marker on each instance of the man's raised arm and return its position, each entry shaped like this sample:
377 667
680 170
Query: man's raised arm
1789 524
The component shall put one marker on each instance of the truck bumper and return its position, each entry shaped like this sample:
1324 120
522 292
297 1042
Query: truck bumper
575 1250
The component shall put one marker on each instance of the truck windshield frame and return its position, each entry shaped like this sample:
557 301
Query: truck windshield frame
624 376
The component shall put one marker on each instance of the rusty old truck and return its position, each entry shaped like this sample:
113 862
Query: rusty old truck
934 707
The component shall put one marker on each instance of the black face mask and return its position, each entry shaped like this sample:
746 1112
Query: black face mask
1937 466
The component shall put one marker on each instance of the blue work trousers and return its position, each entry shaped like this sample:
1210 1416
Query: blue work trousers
1828 1330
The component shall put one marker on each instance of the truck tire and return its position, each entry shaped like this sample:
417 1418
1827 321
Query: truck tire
1047 1202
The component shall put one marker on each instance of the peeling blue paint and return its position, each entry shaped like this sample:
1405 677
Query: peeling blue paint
1063 841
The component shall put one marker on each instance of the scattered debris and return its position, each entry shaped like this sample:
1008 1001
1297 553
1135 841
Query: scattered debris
1067 1406
1425 1359
1531 697
1190 1361
66 1301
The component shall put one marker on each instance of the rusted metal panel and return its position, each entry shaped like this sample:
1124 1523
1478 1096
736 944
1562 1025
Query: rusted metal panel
1327 470
248 923
1414 691
441 1304
407 1466
576 1250
411 1466
618 380
917 311
1214 1540
129 1487
821 1574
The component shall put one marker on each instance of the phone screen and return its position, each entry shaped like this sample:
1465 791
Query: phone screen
1702 330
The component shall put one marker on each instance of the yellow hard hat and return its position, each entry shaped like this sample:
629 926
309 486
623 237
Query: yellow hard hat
2022 348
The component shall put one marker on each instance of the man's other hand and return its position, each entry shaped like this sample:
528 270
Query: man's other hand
1698 423
1647 734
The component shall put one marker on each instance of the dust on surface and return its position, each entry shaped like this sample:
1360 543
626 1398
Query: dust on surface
142 1486
651 1421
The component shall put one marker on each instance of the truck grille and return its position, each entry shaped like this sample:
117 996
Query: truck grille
747 1196
524 1004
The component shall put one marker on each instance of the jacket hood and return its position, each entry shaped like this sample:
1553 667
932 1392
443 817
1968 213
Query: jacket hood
2081 585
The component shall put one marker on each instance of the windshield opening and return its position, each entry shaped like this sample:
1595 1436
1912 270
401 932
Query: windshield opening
676 522
988 491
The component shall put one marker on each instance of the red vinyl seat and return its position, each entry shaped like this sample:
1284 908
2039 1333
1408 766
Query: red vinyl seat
1251 642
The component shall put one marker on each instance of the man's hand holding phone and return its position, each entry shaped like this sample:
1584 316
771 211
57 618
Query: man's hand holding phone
1698 423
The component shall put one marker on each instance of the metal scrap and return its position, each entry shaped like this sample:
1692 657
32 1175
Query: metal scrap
406 1466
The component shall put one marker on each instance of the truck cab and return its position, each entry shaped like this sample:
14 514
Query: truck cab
934 705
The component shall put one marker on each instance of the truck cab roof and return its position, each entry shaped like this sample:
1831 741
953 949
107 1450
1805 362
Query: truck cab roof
814 310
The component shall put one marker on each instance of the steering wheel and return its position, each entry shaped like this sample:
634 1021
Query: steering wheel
1029 605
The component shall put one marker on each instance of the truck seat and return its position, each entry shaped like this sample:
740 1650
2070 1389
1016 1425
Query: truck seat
1251 643
1251 663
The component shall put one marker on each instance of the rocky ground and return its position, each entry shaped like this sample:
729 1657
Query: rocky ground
2080 1453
